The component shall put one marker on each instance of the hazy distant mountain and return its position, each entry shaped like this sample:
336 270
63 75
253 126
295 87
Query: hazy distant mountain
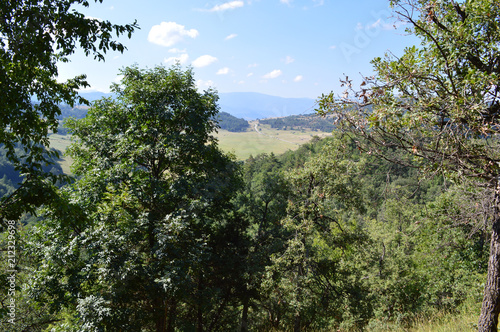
92 96
249 105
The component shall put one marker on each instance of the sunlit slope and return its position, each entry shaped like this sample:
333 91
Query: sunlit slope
262 139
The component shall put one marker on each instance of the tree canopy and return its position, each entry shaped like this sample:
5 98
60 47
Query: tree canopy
161 231
231 123
438 102
145 225
34 36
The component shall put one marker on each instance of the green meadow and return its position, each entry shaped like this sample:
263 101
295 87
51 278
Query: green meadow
263 139
61 142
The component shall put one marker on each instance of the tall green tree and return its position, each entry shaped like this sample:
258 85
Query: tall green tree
440 103
34 36
262 203
310 282
146 239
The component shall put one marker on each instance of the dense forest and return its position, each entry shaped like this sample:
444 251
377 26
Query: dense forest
231 123
393 219
324 237
161 231
310 121
67 111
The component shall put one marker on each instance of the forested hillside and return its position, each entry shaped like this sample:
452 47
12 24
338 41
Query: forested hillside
310 121
231 123
326 237
392 219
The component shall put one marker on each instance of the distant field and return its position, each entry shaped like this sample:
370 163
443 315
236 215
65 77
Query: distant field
268 140
242 145
61 142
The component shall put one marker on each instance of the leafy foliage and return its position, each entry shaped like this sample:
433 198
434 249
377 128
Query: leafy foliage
440 104
34 36
325 237
161 231
356 242
137 241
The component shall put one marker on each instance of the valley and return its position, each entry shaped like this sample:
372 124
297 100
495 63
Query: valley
258 138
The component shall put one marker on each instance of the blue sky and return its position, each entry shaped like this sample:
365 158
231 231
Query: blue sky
287 48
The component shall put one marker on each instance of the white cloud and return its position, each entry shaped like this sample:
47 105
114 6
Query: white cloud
227 5
204 61
223 71
250 74
252 65
376 26
201 84
288 60
176 50
275 73
231 36
182 59
170 33
316 3
298 78
333 47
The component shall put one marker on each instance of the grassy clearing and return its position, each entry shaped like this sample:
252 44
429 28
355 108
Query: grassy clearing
61 142
251 143
267 140
463 321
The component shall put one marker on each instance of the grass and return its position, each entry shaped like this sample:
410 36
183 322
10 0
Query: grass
463 320
61 142
267 140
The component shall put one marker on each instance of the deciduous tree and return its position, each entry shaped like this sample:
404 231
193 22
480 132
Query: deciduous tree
146 241
34 36
310 282
439 102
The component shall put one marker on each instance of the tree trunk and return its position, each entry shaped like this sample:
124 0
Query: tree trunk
161 321
172 313
199 314
490 309
244 316
297 324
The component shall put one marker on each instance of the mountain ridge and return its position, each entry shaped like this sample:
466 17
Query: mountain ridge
253 105
248 105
